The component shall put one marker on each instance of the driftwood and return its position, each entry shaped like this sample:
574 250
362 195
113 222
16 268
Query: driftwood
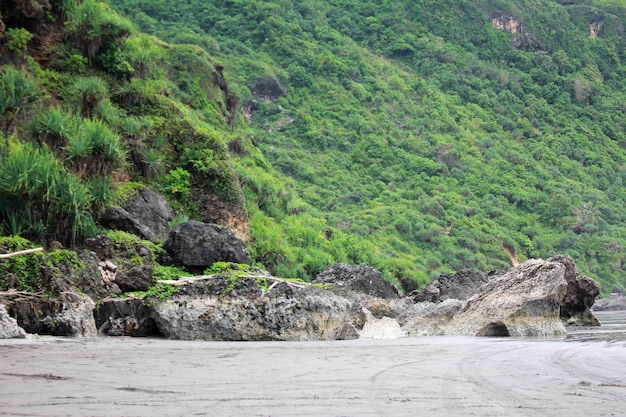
22 252
188 280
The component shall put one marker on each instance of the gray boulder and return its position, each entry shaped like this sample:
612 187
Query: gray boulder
225 310
199 245
9 329
70 315
614 303
429 319
145 214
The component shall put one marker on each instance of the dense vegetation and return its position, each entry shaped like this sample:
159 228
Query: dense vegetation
419 137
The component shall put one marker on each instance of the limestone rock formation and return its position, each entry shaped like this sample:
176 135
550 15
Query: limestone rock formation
70 315
199 245
382 328
125 317
526 301
9 329
284 311
145 214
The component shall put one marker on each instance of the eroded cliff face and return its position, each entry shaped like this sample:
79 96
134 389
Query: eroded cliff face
217 210
523 39
32 16
595 28
28 14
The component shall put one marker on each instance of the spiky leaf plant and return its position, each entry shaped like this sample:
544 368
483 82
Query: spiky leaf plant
17 92
153 164
87 93
53 126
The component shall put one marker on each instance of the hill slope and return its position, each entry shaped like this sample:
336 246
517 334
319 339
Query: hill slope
440 132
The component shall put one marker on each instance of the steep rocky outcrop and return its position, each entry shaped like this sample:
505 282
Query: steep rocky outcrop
222 309
199 245
145 214
215 210
9 329
25 13
69 315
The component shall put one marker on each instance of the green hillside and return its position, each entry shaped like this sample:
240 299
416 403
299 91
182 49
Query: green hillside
419 137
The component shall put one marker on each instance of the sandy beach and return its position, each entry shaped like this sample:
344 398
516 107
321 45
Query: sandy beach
435 376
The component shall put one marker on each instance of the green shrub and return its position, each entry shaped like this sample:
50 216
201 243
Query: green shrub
176 184
18 39
22 272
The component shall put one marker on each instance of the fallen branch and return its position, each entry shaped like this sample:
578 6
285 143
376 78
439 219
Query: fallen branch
12 296
188 280
22 252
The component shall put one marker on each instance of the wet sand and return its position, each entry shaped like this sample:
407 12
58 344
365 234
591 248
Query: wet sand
435 376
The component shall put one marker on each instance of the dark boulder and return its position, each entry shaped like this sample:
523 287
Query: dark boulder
459 286
145 214
364 286
358 278
67 271
267 88
125 317
200 245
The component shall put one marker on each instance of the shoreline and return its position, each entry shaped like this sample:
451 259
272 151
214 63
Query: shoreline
436 376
